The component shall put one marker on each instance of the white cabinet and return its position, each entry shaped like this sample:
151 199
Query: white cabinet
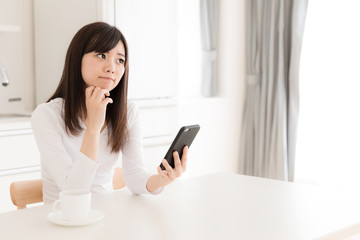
17 145
16 56
19 156
18 149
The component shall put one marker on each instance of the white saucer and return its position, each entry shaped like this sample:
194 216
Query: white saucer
58 218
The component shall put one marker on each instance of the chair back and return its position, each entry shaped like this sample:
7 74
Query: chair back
26 192
30 191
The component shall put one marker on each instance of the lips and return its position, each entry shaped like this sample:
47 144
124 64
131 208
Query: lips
107 78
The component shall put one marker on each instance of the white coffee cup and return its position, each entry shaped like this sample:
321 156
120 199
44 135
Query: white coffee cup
74 204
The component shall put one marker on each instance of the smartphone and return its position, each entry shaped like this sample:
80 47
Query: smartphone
185 137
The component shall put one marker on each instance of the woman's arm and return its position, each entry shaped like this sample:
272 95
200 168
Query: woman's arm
61 161
90 144
137 179
133 164
95 118
69 168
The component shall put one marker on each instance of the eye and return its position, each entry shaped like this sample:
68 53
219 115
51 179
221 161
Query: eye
121 61
101 55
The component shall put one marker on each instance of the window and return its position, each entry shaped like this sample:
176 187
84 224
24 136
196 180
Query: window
328 144
164 45
189 48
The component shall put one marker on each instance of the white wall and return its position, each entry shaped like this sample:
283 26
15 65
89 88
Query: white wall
232 71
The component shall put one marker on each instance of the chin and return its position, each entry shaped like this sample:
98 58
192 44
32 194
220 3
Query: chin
107 87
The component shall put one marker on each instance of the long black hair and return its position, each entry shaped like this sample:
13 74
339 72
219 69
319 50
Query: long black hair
95 37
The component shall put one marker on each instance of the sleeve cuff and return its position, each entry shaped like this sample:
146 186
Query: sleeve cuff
84 167
86 161
157 191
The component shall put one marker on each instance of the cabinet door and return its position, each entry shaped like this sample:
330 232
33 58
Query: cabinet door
18 150
13 56
150 30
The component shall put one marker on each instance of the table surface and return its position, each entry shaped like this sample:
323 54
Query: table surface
216 206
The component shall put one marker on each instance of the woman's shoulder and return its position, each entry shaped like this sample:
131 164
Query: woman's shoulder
133 112
52 108
131 106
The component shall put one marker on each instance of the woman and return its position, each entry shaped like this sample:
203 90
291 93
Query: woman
87 122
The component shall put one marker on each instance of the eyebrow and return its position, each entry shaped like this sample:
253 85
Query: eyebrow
121 54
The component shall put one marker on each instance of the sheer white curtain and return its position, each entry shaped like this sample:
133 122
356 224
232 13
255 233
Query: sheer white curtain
274 36
208 23
329 121
197 35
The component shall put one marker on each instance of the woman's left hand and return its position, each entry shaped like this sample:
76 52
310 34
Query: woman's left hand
169 174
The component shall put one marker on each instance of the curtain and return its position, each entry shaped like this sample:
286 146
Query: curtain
274 36
208 26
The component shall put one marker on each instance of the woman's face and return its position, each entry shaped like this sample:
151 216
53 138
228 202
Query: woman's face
104 70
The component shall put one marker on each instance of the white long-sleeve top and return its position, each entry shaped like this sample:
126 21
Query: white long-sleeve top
63 166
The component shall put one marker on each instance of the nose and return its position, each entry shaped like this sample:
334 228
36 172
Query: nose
110 67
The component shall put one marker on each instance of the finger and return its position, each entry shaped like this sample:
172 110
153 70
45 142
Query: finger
184 158
89 91
177 164
106 94
176 159
100 93
95 92
107 101
161 172
168 168
103 93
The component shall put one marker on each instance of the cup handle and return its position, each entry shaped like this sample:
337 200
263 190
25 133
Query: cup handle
56 205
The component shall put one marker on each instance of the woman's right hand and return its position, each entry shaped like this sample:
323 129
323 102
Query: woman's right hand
96 101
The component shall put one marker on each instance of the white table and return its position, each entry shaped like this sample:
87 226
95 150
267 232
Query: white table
218 206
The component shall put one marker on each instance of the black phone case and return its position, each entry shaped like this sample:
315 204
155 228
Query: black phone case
184 138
